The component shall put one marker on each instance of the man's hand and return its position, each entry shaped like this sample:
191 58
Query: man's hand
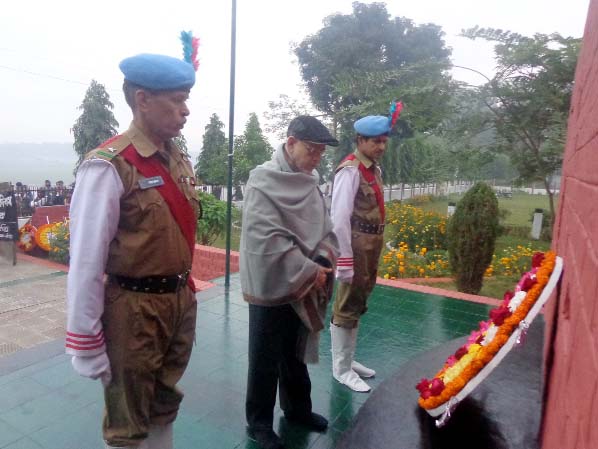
322 276
94 367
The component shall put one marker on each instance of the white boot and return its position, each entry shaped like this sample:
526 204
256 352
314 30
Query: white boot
362 371
160 437
343 349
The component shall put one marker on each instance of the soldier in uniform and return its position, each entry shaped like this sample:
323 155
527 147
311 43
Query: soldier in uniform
133 218
357 213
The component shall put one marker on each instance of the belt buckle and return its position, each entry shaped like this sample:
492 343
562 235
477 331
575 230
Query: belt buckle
182 279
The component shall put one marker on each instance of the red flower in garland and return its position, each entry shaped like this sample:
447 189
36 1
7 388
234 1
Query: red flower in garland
499 315
460 352
437 386
527 281
424 388
427 388
537 259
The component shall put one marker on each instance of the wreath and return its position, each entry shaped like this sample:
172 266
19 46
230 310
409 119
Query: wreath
26 241
44 235
486 346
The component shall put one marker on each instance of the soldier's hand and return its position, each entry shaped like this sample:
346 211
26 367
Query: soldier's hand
94 367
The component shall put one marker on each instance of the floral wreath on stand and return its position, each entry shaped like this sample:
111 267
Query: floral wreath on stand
487 345
44 235
26 240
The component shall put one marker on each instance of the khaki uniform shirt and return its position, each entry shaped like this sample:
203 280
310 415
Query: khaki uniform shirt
118 227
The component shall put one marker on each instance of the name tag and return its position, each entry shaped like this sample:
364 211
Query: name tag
154 181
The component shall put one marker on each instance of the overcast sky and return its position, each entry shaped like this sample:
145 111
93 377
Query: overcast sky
51 50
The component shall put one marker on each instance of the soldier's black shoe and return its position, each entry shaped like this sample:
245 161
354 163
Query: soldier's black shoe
265 438
313 421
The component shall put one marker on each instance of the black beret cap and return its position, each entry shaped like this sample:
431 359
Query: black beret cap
308 128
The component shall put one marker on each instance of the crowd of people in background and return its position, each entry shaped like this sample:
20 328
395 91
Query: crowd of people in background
30 197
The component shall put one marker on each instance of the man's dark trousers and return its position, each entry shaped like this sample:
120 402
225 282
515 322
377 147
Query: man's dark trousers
273 341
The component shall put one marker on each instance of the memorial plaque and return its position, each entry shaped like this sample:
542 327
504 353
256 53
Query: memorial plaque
9 231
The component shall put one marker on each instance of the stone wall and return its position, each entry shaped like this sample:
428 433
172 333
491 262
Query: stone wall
571 370
210 263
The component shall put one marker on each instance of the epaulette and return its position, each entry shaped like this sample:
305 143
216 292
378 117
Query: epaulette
109 149
347 163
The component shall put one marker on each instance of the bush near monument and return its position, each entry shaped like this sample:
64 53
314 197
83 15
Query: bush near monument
472 233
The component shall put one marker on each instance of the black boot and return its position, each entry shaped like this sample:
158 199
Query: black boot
265 438
313 421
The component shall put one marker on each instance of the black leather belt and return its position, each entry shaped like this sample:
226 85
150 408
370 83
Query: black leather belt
152 284
367 228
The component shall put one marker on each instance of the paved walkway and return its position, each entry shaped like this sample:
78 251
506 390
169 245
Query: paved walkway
32 305
45 405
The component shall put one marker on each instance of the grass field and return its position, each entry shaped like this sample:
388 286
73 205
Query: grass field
520 207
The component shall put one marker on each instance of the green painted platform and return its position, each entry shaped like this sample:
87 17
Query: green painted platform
44 404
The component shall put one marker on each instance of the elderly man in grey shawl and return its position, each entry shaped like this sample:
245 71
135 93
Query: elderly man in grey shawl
288 254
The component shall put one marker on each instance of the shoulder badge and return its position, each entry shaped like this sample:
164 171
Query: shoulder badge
109 149
347 163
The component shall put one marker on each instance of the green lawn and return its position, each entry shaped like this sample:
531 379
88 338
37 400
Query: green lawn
235 240
520 207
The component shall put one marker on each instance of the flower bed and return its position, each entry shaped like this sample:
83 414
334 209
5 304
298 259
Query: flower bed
414 227
488 344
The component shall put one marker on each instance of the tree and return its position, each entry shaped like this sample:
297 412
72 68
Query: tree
358 63
472 233
251 149
181 142
280 113
366 40
211 162
96 123
529 99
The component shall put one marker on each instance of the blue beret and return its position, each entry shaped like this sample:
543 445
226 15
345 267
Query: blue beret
158 72
372 125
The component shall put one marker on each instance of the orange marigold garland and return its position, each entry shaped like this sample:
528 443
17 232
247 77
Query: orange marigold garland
484 343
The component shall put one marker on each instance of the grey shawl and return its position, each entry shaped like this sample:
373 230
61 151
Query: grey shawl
286 229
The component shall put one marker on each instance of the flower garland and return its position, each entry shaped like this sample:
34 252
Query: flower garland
486 341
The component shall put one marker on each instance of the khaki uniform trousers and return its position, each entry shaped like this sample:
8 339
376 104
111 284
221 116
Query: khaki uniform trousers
350 300
149 338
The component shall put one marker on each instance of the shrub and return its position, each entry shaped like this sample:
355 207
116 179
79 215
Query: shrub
59 243
213 220
472 233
